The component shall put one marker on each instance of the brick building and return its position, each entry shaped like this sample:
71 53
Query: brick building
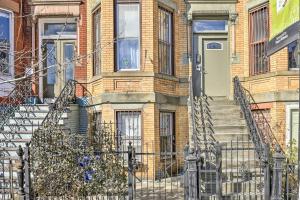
59 37
139 70
15 34
241 30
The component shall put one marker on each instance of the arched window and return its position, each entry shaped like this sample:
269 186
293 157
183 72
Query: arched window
6 42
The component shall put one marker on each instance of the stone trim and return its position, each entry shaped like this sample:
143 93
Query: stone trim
270 75
139 98
168 3
10 5
280 96
253 3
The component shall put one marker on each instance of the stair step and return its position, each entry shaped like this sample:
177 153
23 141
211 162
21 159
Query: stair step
36 107
230 129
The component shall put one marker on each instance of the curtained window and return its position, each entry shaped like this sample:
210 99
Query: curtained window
128 36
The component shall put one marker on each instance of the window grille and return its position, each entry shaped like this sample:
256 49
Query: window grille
167 134
259 35
165 46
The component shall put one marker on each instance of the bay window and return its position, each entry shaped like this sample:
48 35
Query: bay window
165 42
167 134
6 42
128 36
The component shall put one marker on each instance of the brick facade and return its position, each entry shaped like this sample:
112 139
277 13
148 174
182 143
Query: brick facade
276 88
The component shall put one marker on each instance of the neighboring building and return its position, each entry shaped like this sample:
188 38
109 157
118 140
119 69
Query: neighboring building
60 37
15 34
139 71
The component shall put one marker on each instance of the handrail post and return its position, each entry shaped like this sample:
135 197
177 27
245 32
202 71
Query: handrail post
192 176
277 174
185 178
267 177
219 171
20 173
130 172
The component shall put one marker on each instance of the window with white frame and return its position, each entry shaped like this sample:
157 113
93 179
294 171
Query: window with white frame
128 35
6 42
292 121
167 134
129 130
165 47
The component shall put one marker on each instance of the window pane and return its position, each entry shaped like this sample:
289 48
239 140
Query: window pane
128 31
294 125
165 42
129 128
167 137
51 61
69 61
209 25
60 28
128 53
128 20
97 43
259 32
4 27
292 48
4 42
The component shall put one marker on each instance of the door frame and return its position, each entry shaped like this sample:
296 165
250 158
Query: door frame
199 38
42 37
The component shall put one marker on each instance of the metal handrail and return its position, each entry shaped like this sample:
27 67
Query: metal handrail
260 130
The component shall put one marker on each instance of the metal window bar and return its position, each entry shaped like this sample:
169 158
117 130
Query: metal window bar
259 33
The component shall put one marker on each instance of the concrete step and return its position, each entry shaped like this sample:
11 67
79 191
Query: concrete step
229 122
36 107
229 137
239 129
27 128
32 121
36 114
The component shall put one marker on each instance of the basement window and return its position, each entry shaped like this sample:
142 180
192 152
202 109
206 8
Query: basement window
167 134
6 42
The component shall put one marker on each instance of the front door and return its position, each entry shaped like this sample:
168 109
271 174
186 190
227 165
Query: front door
58 64
212 61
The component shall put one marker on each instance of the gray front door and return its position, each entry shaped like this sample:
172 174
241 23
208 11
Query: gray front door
216 67
211 73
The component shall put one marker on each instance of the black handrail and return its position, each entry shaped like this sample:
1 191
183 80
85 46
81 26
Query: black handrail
260 130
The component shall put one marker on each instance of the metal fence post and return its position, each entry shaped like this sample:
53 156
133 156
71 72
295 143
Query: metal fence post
27 172
277 175
266 165
185 177
192 176
130 172
20 173
219 171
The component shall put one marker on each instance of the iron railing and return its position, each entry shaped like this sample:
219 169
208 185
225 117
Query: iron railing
260 130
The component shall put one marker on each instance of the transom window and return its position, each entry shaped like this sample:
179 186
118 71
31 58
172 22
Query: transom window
6 41
259 35
167 134
128 36
165 42
96 42
202 26
60 29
